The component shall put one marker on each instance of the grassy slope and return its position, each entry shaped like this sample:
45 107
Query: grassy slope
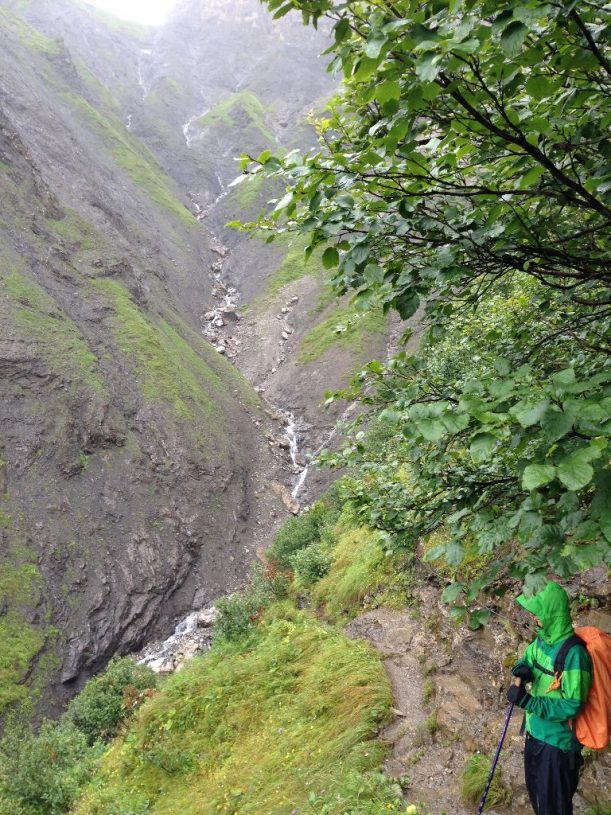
245 102
279 722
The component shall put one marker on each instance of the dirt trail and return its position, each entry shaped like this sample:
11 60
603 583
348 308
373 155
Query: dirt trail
448 685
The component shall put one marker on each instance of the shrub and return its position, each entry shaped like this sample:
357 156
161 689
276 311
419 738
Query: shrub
310 565
42 774
474 778
110 699
305 529
239 614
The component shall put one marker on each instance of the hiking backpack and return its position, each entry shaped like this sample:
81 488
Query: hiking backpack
592 726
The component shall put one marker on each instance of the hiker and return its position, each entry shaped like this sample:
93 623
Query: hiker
552 754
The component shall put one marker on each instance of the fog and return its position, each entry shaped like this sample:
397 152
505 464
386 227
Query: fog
149 12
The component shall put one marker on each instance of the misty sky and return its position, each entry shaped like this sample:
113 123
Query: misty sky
151 12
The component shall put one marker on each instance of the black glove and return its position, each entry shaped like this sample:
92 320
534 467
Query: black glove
524 672
517 695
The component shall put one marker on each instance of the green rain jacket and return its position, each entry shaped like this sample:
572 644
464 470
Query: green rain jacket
548 712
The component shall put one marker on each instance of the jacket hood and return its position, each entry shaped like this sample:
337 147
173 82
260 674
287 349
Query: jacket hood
551 606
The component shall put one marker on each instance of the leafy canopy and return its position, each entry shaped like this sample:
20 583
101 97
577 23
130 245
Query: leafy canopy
466 158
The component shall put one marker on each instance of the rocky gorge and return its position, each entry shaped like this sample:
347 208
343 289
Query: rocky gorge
140 336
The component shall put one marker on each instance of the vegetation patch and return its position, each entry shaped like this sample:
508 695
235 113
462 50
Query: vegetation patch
60 343
29 36
285 720
20 588
346 328
245 102
131 155
475 776
170 371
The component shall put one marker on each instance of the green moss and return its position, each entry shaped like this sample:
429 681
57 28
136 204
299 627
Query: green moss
37 316
28 36
170 371
131 155
285 720
246 102
344 328
76 230
94 84
20 588
5 519
247 193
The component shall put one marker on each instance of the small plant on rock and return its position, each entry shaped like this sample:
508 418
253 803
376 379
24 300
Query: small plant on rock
474 778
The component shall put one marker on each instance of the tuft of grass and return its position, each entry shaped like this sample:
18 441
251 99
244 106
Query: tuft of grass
285 722
428 690
474 778
600 808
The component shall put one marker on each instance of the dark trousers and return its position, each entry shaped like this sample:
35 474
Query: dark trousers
551 777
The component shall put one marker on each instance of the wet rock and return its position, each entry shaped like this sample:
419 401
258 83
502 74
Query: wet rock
207 617
162 665
292 504
230 315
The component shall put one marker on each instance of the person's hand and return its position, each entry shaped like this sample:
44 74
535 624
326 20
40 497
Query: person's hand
517 695
523 672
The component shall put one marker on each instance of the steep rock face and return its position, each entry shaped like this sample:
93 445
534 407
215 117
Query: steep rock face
122 490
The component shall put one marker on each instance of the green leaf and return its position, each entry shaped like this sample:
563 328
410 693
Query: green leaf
451 592
428 67
557 423
374 47
455 552
537 475
575 471
482 446
512 38
534 583
539 87
284 202
330 257
435 553
478 618
388 90
342 30
431 429
529 413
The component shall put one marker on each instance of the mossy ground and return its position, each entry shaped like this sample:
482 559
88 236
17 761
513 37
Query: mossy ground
29 37
20 590
170 372
284 720
37 317
131 155
246 103
344 327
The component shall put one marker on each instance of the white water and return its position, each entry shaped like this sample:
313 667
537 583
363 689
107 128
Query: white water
128 121
186 128
172 644
144 52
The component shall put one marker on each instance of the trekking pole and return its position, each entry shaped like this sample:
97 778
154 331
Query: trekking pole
495 760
